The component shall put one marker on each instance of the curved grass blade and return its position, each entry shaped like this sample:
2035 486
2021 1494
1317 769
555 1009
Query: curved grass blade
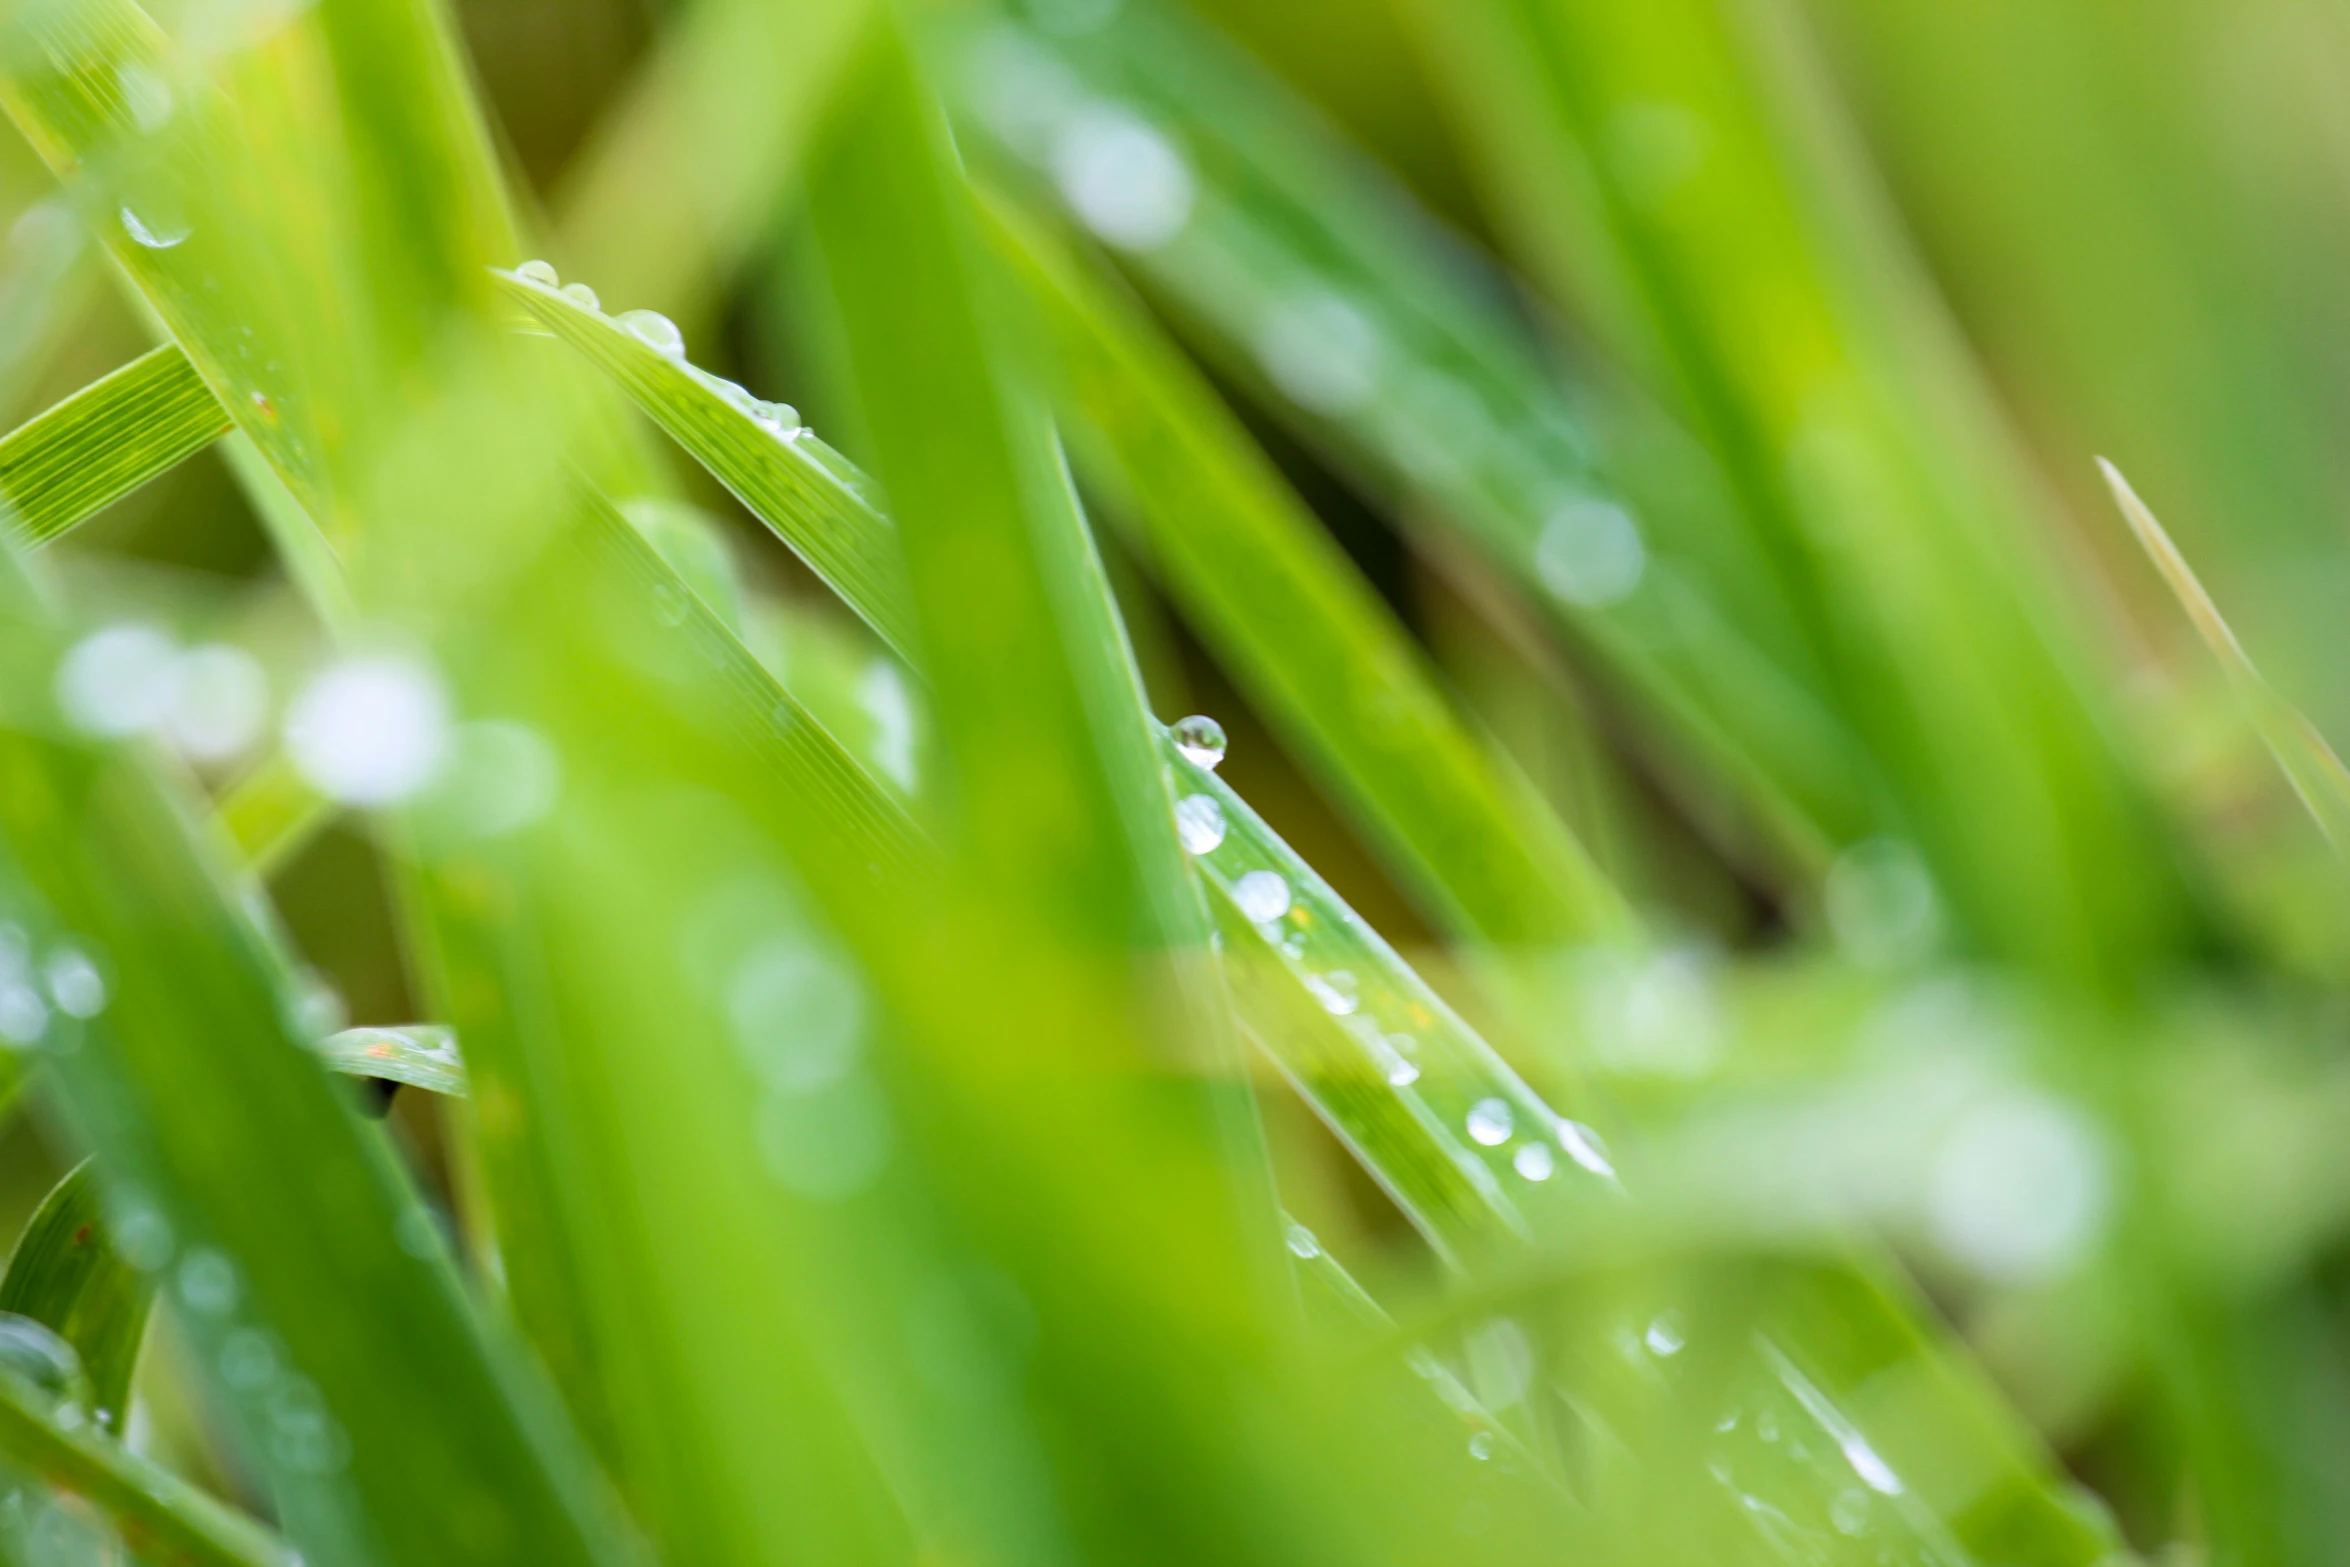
2308 762
254 1182
161 1518
73 460
1301 629
422 1055
66 1274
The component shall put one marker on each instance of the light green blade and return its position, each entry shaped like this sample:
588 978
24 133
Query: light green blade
1301 629
161 1517
66 1274
2301 753
422 1055
74 460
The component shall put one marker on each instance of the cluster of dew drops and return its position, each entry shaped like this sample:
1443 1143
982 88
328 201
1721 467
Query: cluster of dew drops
1264 896
657 332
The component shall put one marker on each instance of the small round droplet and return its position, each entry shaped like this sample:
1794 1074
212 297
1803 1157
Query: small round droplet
208 1282
1583 1145
1534 1161
153 233
779 419
1336 991
1664 1337
1481 1446
655 330
370 730
34 1352
1261 895
1199 822
1402 1074
1200 739
1850 1512
583 296
540 272
1490 1122
1302 1242
74 982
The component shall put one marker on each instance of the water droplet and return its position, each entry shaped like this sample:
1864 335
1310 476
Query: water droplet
1123 179
1665 1336
1766 1426
655 330
1293 945
1490 1122
118 681
583 296
143 1237
542 273
1200 739
370 730
1590 553
154 233
1881 903
1583 1145
1199 822
1335 990
1481 1446
1262 896
501 777
1402 1074
2017 1191
1850 1513
248 1360
24 1016
1322 353
1534 1161
798 1014
147 95
777 419
1302 1242
829 1144
74 982
219 702
208 1282
35 1352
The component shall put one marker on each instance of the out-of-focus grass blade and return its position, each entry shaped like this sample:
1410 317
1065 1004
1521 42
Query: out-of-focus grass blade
1301 629
1308 277
89 451
161 1517
1474 1156
66 1273
422 1055
275 1214
2316 773
271 813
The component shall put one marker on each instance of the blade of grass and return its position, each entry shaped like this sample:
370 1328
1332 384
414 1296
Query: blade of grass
65 1273
1302 630
87 452
277 1212
422 1055
162 1518
2308 763
1397 1076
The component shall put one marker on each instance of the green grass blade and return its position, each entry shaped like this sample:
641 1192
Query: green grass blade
776 467
1302 630
73 460
271 813
66 1274
2308 762
422 1055
161 1518
1290 245
275 1211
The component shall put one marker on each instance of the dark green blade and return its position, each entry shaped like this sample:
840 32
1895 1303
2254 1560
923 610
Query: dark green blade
66 1273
